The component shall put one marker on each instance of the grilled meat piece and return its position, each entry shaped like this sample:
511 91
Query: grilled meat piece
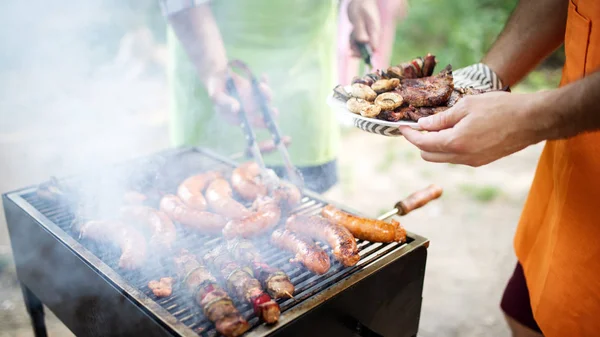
190 190
305 250
428 91
131 241
337 237
162 287
459 93
275 281
366 229
161 228
245 180
429 65
200 221
219 196
243 284
415 114
216 304
266 216
393 116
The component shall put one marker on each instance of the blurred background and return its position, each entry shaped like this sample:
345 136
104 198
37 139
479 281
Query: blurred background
83 82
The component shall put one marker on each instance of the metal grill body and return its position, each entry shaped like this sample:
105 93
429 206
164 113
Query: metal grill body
81 283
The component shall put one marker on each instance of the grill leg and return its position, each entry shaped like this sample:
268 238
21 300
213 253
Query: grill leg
35 308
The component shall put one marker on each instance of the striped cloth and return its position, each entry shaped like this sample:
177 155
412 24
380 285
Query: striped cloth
477 76
170 7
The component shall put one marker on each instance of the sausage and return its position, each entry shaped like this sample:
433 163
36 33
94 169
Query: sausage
336 236
305 250
201 221
265 217
162 229
134 198
287 194
190 190
220 199
131 242
216 304
245 180
366 229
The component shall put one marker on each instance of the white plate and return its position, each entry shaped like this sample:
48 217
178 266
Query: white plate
372 125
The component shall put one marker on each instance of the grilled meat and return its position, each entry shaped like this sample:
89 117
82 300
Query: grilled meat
131 242
162 287
393 116
241 282
429 64
336 236
266 215
366 229
287 195
216 304
219 196
428 91
459 93
161 228
190 190
305 250
200 221
275 281
245 180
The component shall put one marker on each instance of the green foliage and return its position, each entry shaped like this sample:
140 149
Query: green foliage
457 32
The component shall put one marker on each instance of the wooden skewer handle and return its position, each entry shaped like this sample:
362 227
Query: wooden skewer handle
418 199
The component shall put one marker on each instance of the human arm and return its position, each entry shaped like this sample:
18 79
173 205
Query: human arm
483 128
366 25
534 30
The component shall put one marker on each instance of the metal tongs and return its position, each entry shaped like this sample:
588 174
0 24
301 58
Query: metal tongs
268 176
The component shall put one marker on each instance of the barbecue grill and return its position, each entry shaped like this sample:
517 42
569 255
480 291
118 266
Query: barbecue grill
82 284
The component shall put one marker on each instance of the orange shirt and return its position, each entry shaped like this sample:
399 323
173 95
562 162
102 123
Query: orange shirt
558 237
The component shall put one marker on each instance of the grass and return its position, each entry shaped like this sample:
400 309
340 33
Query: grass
482 194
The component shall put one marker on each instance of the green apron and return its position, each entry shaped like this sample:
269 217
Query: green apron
294 43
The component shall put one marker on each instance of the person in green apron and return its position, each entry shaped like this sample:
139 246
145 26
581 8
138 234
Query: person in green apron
292 42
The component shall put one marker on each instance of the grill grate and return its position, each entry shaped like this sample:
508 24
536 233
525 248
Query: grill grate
180 305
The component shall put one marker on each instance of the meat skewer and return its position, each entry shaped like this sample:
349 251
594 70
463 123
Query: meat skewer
162 287
275 281
190 190
244 285
131 242
336 236
305 250
201 221
162 229
366 229
216 304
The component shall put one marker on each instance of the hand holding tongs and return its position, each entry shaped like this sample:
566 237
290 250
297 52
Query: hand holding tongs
269 177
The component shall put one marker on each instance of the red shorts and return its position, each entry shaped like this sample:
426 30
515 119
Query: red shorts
515 301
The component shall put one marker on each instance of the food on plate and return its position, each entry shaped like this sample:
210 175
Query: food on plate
389 101
131 242
275 281
244 285
356 105
190 190
219 196
429 64
265 215
339 238
340 93
366 229
304 249
162 287
371 111
363 91
245 180
216 304
201 221
428 91
161 228
385 85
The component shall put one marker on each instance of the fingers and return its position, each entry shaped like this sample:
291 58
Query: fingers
373 31
443 120
440 141
225 103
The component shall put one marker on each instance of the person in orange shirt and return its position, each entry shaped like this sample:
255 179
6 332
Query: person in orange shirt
555 289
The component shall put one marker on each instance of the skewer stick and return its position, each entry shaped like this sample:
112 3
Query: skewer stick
290 295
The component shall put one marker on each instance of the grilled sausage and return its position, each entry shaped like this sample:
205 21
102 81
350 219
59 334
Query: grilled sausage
305 250
265 217
288 195
245 180
216 304
162 229
190 190
366 229
201 221
244 285
131 242
336 236
220 199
